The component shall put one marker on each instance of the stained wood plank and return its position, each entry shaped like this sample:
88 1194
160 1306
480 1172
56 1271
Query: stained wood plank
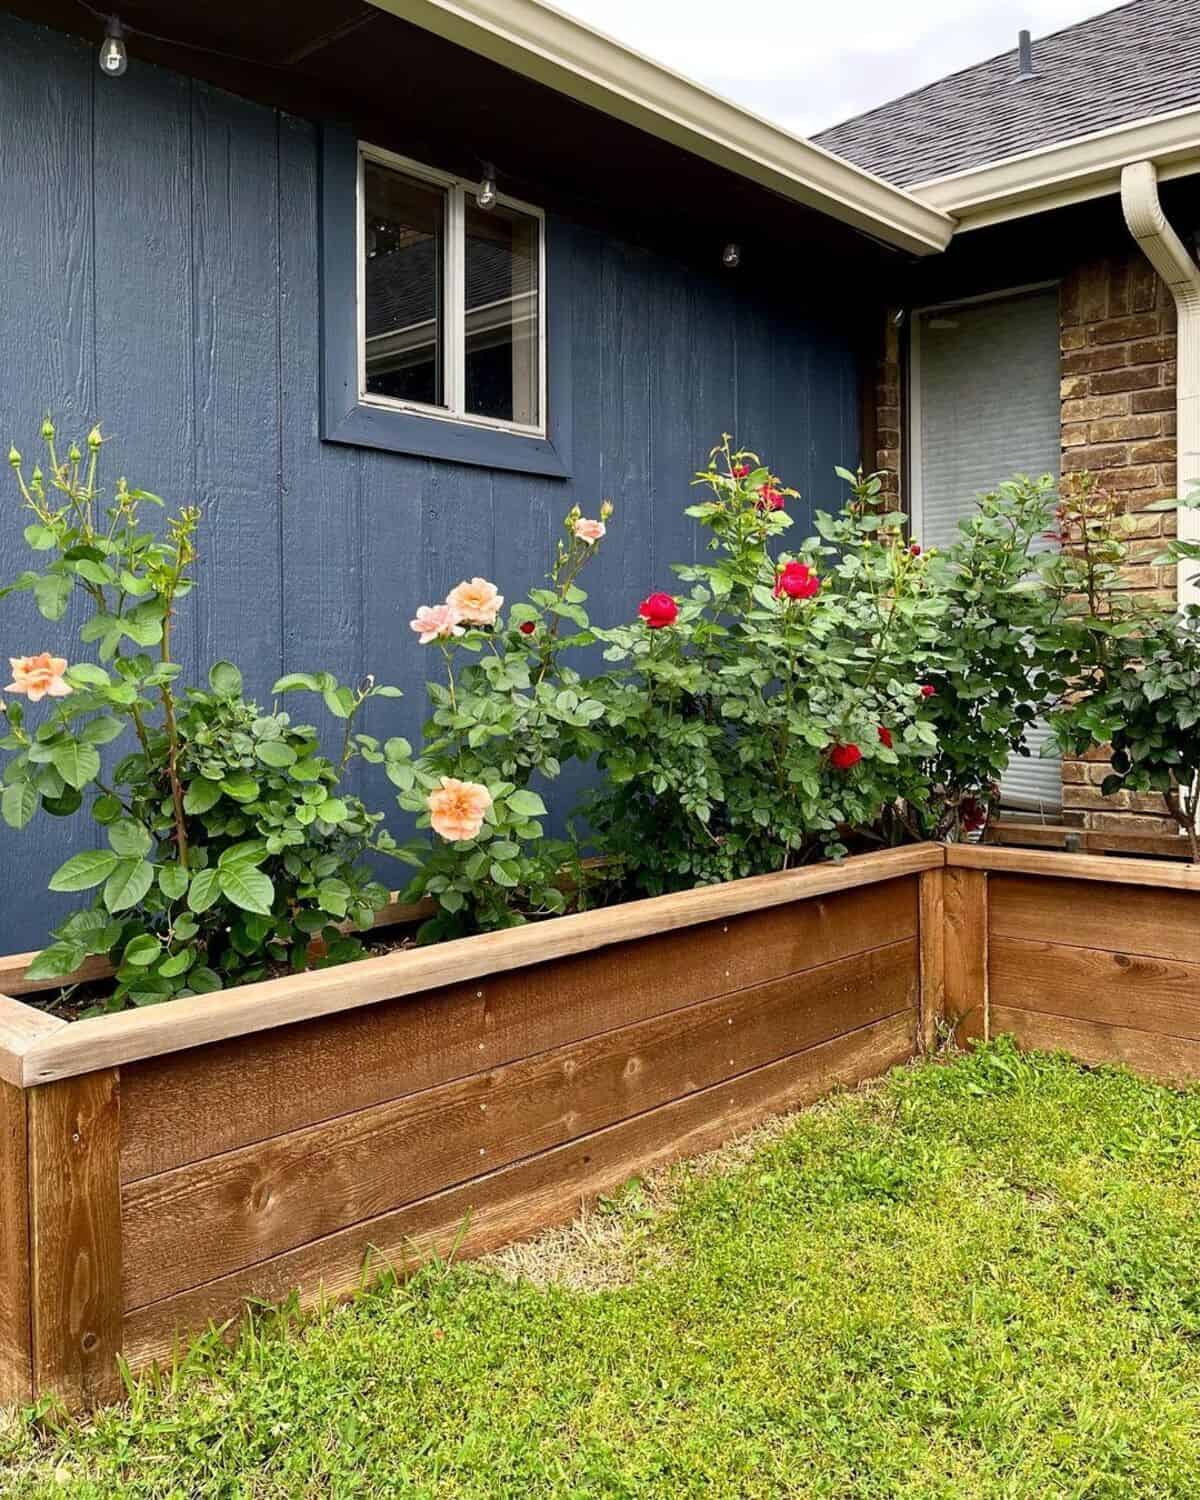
75 1238
110 1040
196 1104
15 1355
520 1200
1156 922
965 895
932 932
202 1221
1164 874
1122 989
1169 1059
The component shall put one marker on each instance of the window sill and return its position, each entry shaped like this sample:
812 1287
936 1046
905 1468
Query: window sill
369 426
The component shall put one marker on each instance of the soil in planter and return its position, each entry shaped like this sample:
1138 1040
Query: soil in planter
75 1001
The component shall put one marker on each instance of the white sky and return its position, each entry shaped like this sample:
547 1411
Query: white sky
810 65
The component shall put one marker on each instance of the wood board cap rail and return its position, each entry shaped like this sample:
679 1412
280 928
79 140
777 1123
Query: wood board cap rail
1166 874
59 1050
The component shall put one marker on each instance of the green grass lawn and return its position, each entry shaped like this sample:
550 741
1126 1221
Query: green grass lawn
977 1279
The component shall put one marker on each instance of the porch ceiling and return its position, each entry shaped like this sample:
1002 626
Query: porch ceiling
404 87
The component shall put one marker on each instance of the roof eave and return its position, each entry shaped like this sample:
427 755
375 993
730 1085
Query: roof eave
539 42
1069 172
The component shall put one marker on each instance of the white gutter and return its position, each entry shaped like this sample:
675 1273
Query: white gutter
1169 257
1072 171
539 42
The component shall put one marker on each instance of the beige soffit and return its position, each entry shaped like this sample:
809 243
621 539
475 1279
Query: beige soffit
1053 176
542 43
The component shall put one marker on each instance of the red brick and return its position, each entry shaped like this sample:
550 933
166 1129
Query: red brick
1090 408
1131 478
1146 351
1116 429
1074 387
1121 330
1087 361
1160 451
1136 378
1162 399
1099 456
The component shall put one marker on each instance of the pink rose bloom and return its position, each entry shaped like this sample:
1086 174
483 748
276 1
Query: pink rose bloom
39 676
589 531
477 602
457 809
436 622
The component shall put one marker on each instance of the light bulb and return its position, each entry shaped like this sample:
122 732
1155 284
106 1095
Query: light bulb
731 256
486 196
113 57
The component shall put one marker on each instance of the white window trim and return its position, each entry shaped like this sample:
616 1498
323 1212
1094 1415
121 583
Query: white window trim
916 509
454 298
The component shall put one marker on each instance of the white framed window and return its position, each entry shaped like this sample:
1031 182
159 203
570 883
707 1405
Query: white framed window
450 298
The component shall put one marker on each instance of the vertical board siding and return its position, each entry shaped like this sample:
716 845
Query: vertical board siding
160 244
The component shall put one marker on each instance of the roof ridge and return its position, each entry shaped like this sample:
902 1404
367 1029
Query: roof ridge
982 62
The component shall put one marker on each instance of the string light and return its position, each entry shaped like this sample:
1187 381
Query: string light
486 196
113 57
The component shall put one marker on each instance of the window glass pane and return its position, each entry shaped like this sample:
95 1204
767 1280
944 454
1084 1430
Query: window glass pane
502 318
404 234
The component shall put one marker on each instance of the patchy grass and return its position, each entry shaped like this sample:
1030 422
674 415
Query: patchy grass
976 1280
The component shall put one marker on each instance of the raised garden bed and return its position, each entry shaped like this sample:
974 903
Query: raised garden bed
158 1167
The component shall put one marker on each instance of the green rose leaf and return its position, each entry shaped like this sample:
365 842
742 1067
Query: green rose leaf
19 803
102 730
142 951
201 795
296 682
203 890
202 981
56 961
83 871
128 883
275 753
240 787
526 804
247 854
247 888
172 881
225 679
177 963
75 762
129 839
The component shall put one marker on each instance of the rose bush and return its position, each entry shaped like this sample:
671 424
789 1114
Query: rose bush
230 844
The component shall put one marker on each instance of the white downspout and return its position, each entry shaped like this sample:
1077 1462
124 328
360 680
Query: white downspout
1168 255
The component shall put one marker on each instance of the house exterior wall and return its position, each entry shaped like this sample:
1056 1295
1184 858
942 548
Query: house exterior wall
160 248
1117 332
1117 405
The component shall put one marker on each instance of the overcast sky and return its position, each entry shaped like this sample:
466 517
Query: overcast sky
808 65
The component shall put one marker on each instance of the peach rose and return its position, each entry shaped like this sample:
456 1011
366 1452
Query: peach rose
457 808
39 677
436 622
589 531
478 602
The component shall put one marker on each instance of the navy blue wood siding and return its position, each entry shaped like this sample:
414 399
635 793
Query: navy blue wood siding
159 255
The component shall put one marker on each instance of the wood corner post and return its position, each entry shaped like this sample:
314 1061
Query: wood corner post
74 1215
931 928
965 927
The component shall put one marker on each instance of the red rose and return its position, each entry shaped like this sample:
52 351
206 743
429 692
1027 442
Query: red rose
915 549
927 690
769 498
739 471
658 610
526 627
885 736
842 757
797 580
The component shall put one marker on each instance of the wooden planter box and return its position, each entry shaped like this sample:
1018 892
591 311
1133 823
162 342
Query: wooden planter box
159 1167
1079 953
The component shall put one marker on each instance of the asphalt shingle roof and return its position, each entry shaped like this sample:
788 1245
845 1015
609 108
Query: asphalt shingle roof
1139 60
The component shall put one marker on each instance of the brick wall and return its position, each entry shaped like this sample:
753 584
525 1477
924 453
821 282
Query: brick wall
888 408
1117 326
